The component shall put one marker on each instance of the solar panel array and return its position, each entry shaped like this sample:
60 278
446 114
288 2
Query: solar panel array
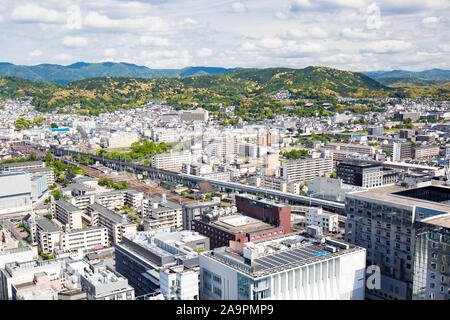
280 259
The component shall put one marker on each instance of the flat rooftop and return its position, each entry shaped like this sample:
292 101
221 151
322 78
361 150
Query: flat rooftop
239 223
280 253
395 194
441 220
106 212
47 225
67 206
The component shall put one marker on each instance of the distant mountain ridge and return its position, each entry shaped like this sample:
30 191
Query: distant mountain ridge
432 74
83 70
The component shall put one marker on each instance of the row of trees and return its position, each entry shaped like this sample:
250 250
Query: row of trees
22 123
111 184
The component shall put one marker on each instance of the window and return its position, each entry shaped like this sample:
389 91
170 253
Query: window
217 291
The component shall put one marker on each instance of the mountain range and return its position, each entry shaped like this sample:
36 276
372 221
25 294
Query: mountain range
82 70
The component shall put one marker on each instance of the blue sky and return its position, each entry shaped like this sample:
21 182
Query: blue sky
357 35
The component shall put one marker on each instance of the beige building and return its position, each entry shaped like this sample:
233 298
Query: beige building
67 214
117 225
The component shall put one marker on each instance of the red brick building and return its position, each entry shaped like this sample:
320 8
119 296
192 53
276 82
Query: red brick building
278 214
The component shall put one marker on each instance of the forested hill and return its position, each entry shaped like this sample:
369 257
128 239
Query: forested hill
249 88
82 70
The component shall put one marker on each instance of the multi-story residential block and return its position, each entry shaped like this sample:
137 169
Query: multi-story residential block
67 214
426 152
385 221
51 238
400 150
117 225
162 213
356 148
329 222
288 267
275 183
366 174
171 161
141 256
306 169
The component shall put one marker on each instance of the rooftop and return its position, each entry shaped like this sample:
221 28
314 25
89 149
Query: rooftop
239 223
67 205
280 253
396 194
106 212
47 225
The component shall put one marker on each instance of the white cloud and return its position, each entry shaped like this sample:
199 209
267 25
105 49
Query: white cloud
271 43
204 52
386 46
238 7
110 52
356 33
35 53
75 42
31 12
431 22
148 23
154 41
62 57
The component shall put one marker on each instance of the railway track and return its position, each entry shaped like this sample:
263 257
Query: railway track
134 183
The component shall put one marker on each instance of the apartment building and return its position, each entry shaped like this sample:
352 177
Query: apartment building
306 169
288 267
171 161
67 214
275 183
356 148
50 238
117 225
426 152
162 213
39 279
329 222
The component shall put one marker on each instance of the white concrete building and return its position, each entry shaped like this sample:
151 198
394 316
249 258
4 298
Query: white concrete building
178 283
284 268
327 221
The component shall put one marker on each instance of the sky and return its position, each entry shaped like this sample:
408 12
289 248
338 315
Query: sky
355 35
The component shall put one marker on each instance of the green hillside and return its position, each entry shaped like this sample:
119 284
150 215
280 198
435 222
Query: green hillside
250 90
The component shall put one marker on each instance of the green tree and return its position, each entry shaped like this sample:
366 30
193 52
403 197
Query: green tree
56 194
22 123
48 157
